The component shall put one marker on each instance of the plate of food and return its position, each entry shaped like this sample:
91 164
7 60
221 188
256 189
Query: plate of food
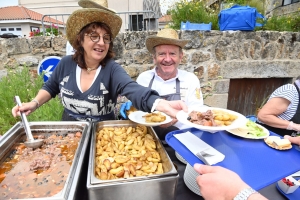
250 130
211 119
278 143
149 119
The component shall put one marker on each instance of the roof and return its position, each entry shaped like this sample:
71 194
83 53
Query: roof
22 13
165 18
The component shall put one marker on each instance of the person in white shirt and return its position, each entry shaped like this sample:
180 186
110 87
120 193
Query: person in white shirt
170 82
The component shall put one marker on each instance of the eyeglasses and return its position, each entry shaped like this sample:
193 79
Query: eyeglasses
95 37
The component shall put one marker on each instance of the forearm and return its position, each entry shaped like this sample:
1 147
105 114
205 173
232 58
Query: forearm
256 196
42 97
273 121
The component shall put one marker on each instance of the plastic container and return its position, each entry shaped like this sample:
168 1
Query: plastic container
287 188
195 26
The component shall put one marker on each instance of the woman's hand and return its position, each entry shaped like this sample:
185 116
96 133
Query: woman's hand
294 140
171 108
27 108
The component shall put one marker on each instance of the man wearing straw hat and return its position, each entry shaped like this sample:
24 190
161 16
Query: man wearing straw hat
170 82
90 80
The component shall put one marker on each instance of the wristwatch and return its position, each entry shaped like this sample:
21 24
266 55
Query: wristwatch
244 194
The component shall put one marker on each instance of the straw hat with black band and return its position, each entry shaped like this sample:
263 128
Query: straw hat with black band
82 17
165 36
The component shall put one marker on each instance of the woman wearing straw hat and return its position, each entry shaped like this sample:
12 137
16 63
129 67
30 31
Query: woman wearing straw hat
90 81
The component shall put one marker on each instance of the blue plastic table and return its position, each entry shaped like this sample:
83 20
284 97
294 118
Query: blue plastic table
256 163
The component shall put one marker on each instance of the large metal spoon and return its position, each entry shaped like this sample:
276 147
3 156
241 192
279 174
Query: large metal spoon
31 142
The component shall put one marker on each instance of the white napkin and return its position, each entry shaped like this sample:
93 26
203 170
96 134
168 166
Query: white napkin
195 145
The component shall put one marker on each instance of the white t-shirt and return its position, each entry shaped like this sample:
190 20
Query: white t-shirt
190 90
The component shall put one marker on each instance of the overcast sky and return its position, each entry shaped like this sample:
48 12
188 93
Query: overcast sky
164 4
4 3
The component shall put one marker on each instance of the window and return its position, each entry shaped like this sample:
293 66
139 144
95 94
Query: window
18 29
34 29
11 29
136 22
287 2
3 29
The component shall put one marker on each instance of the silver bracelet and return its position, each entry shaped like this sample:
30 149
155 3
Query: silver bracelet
244 194
37 102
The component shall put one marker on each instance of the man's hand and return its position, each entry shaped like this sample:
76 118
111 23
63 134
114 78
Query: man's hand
218 183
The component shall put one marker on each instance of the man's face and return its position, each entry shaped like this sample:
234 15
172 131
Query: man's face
167 58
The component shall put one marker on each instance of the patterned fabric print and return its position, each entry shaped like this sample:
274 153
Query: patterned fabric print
290 93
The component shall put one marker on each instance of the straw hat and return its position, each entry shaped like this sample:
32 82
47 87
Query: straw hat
82 17
102 4
165 36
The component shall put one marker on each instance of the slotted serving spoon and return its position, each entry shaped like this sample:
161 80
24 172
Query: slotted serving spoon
31 142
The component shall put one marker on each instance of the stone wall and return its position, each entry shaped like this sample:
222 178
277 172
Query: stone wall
275 7
215 57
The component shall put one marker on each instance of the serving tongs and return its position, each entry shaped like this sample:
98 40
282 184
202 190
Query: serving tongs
31 142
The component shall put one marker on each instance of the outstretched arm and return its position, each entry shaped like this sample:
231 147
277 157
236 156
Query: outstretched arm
219 183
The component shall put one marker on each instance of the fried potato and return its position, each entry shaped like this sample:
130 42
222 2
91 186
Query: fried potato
125 152
223 118
154 117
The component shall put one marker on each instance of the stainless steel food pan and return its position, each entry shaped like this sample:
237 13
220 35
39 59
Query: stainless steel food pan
162 186
17 134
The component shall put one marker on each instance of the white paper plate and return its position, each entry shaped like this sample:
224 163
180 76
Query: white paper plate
243 133
240 121
137 117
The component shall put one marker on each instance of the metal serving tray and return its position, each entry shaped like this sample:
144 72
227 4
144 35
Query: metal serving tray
17 134
161 186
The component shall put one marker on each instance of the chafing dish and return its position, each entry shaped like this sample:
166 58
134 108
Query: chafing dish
17 134
157 186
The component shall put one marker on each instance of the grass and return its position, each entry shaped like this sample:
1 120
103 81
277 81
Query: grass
25 84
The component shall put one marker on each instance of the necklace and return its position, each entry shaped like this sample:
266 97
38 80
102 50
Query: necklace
90 69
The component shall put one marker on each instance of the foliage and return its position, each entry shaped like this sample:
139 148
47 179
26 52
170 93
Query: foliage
284 23
25 84
258 4
193 11
49 30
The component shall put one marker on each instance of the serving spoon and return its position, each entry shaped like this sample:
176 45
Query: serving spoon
31 142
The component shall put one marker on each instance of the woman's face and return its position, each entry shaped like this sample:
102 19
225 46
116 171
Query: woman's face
95 48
